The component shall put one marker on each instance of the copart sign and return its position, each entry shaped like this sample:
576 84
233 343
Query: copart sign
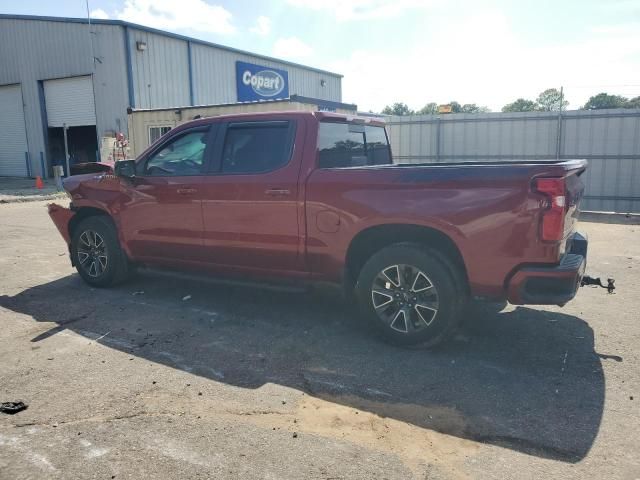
256 82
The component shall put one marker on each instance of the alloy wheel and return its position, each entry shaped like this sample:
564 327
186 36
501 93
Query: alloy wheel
404 298
92 253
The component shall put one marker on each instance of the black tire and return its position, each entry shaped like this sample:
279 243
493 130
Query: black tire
97 254
446 295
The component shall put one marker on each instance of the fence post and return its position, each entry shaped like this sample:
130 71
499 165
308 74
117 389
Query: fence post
559 135
438 141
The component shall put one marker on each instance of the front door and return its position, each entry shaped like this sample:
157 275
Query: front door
250 201
162 221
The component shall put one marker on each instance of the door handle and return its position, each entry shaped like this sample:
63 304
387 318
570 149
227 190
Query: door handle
186 191
277 192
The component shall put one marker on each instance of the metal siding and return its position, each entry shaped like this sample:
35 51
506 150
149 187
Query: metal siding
35 50
609 139
69 101
161 72
215 82
13 138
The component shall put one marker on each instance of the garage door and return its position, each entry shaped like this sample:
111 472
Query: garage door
70 101
13 138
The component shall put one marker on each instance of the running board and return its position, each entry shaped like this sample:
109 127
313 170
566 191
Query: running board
274 285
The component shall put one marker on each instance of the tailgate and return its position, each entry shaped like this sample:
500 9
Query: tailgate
573 197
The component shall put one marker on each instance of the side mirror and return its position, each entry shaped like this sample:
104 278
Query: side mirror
125 168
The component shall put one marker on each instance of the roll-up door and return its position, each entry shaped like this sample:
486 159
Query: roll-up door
70 101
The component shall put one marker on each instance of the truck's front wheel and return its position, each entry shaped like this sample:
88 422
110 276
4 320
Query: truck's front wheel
97 254
409 295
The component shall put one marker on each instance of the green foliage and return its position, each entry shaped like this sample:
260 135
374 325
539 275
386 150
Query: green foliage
520 105
550 101
633 103
397 108
604 100
429 109
473 108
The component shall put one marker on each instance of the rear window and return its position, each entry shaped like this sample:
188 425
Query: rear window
343 145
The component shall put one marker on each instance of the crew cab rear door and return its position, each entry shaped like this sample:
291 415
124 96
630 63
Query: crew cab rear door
251 206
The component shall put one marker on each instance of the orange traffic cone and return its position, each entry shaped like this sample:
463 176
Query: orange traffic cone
39 184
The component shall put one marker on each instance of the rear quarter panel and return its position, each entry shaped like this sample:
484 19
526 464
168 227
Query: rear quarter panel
488 211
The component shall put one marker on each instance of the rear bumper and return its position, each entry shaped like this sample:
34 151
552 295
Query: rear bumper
61 217
555 285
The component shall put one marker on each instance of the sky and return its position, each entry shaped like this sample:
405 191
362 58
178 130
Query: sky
413 51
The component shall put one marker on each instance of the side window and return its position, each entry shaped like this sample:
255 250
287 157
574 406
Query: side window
183 155
257 147
343 145
339 147
378 151
156 132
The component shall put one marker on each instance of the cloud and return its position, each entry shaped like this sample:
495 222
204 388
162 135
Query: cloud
262 26
291 47
489 65
99 14
195 15
345 10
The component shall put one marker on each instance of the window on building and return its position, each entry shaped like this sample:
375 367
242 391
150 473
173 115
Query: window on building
257 147
183 155
156 132
352 145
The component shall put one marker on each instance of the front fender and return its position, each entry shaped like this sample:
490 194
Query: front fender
61 216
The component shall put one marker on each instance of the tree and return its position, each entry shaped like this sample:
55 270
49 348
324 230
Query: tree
549 101
633 103
397 108
455 107
604 100
473 108
521 105
429 109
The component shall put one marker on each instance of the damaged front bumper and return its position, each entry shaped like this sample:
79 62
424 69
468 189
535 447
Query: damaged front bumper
61 217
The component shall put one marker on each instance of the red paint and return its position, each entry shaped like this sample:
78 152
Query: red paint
298 221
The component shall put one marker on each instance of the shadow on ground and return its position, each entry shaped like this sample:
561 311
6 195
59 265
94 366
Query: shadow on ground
523 379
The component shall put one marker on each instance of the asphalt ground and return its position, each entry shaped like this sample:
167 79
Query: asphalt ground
173 378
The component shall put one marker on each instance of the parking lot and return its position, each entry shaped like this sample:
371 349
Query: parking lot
173 378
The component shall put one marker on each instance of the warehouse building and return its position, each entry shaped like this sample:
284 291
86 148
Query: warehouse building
66 85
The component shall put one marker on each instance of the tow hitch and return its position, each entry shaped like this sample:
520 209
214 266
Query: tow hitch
610 286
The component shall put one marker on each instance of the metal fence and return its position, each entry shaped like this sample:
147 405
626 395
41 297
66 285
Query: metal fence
608 139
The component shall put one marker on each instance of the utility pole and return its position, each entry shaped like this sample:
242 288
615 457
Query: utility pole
559 127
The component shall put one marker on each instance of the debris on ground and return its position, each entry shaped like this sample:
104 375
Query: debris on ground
11 408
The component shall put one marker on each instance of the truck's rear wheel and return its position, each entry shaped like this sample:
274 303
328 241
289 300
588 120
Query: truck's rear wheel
97 254
409 295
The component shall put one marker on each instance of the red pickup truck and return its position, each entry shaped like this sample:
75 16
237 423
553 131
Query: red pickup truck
304 197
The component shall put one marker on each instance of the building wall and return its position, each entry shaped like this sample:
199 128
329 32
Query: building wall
608 139
36 49
32 51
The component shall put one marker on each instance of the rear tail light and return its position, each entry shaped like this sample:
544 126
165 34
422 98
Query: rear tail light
554 213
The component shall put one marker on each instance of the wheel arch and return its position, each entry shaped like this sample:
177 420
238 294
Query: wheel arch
85 212
374 238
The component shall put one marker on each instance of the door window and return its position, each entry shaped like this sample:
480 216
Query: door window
183 155
257 147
